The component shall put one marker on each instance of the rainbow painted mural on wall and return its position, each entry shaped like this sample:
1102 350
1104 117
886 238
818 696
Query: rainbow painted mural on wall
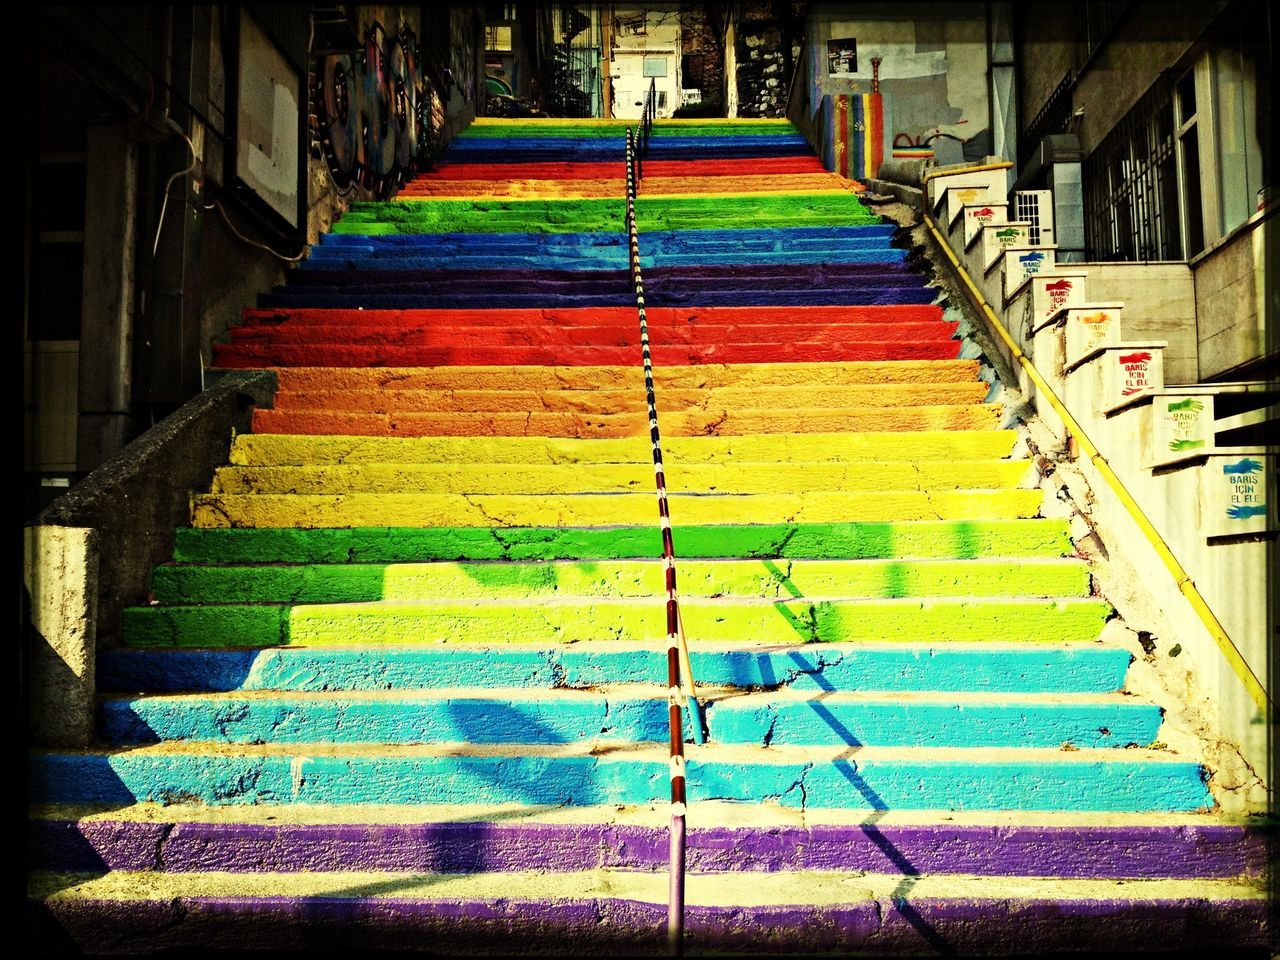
405 675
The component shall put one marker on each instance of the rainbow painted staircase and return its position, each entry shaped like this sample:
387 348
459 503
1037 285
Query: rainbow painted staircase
403 684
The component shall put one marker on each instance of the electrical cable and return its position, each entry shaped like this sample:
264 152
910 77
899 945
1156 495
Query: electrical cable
253 243
167 187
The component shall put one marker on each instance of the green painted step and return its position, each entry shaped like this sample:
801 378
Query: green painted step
1035 537
577 619
346 583
602 215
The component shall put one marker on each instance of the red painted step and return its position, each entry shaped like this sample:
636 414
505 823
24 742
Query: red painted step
593 316
619 333
551 170
257 355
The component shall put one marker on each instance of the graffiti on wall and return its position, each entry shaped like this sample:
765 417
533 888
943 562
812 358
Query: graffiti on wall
376 115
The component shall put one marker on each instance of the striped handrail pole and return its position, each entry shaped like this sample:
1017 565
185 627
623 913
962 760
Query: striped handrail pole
675 695
675 622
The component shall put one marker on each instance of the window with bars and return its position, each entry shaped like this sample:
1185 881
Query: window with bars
1142 183
1097 17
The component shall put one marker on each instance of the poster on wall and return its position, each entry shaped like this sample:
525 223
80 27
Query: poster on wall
842 57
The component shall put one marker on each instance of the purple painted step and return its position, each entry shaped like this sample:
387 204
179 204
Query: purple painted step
1198 850
628 927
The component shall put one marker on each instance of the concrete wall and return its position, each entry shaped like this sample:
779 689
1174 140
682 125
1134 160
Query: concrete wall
933 72
1149 38
1231 293
90 553
1159 304
931 98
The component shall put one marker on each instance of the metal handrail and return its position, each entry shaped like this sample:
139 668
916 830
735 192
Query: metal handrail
1186 586
680 687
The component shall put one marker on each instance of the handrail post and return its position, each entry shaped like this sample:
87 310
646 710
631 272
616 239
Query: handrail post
680 688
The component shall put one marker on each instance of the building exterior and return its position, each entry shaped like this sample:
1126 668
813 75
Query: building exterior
1152 125
181 157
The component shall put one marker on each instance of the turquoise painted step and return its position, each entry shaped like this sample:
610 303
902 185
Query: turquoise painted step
345 583
1037 537
570 717
839 718
567 620
873 779
1008 669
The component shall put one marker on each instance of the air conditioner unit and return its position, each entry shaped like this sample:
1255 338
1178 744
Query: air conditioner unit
1036 208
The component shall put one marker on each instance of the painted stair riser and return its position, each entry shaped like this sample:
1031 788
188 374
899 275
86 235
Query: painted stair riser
1202 851
1080 669
405 719
587 509
563 319
449 170
584 478
525 260
569 424
254 356
836 541
567 621
764 579
728 240
864 784
248 449
624 398
827 291
870 277
626 927
620 335
865 236
886 375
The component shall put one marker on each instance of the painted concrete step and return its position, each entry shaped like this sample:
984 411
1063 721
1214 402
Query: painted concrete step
998 668
580 478
464 714
1037 537
563 319
873 778
629 398
721 837
667 293
251 355
713 421
567 620
600 258
588 509
754 275
622 913
248 449
615 187
616 334
449 170
603 215
706 377
728 239
343 583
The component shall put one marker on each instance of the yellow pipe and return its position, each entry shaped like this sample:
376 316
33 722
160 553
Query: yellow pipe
1186 585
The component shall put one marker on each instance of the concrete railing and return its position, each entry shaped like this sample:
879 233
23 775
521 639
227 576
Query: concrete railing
89 554
1168 496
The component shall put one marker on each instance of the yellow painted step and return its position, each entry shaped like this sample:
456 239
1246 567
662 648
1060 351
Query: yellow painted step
590 510
287 449
733 477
